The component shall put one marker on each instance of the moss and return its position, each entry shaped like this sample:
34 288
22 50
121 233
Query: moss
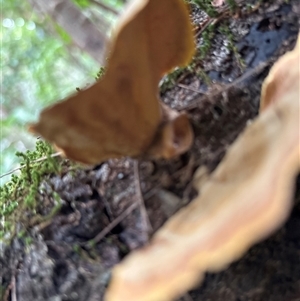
206 5
207 35
100 73
76 248
169 81
232 5
19 197
224 29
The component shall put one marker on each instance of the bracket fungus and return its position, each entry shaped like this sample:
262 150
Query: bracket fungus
121 115
244 200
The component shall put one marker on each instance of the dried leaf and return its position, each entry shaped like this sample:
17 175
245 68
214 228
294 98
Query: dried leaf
244 200
121 115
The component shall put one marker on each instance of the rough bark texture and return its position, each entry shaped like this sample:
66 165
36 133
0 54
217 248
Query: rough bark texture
60 264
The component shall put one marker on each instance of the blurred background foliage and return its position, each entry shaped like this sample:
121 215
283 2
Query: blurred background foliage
40 64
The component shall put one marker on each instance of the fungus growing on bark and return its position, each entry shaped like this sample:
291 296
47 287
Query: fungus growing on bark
244 200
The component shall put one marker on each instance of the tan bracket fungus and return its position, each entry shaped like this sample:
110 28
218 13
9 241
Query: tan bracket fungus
247 197
121 115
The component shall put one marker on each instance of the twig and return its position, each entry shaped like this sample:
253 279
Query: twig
13 289
204 26
6 294
222 13
226 7
108 208
144 214
118 219
114 223
246 75
190 89
35 161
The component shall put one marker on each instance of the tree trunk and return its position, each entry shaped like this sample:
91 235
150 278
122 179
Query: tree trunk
85 34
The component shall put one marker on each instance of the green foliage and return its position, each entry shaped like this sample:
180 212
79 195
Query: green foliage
87 3
63 34
21 192
39 65
96 8
82 3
